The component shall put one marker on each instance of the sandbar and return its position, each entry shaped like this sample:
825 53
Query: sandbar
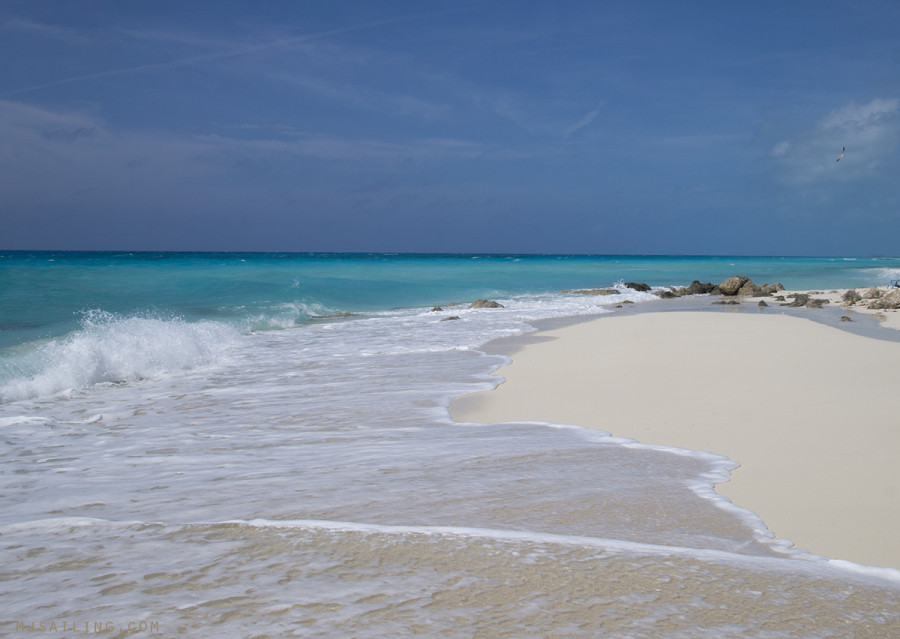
809 412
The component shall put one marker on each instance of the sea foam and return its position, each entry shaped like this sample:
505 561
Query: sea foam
110 348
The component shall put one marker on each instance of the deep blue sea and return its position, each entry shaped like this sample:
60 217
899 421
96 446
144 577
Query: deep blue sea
240 445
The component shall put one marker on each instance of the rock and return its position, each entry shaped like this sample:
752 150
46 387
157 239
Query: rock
749 289
779 298
666 295
638 287
727 302
851 296
846 318
436 309
889 301
762 304
697 288
804 300
800 299
872 294
733 284
627 302
452 317
485 304
770 289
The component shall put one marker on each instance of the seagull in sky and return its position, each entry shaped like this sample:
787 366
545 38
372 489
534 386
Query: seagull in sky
843 148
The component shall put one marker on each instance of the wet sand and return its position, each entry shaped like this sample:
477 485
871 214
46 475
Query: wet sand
807 410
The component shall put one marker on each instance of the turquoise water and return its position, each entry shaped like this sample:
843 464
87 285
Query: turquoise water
47 294
239 445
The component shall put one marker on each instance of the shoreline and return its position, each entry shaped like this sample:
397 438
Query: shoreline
802 406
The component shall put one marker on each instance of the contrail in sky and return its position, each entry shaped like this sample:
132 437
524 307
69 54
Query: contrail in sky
208 57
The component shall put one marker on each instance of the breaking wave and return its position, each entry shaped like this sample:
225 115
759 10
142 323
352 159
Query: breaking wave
110 348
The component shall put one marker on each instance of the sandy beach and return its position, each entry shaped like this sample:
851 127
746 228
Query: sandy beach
806 409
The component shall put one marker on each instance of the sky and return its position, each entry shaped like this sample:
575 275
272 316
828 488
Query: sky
615 127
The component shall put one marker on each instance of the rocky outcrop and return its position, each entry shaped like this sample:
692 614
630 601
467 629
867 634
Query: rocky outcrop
749 289
485 304
872 294
802 300
732 285
743 286
700 288
851 297
644 288
696 288
889 301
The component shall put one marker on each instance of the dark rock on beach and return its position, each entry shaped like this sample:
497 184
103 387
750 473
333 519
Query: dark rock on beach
749 289
485 304
452 317
638 287
800 299
803 300
851 297
696 288
699 288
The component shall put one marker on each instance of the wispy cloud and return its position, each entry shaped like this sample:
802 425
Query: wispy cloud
44 30
47 142
870 132
582 123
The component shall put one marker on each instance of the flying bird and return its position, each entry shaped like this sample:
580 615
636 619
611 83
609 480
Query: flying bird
843 148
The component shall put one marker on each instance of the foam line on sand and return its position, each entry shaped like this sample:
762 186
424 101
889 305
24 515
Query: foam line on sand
807 410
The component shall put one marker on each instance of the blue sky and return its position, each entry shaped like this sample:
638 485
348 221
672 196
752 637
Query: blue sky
700 127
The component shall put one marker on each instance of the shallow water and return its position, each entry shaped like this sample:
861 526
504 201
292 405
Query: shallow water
214 479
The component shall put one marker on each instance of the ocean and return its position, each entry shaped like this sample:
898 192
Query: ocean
260 445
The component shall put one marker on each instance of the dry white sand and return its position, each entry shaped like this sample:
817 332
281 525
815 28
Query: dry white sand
809 411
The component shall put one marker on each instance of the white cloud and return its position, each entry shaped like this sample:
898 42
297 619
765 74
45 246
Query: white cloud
781 149
863 117
870 133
